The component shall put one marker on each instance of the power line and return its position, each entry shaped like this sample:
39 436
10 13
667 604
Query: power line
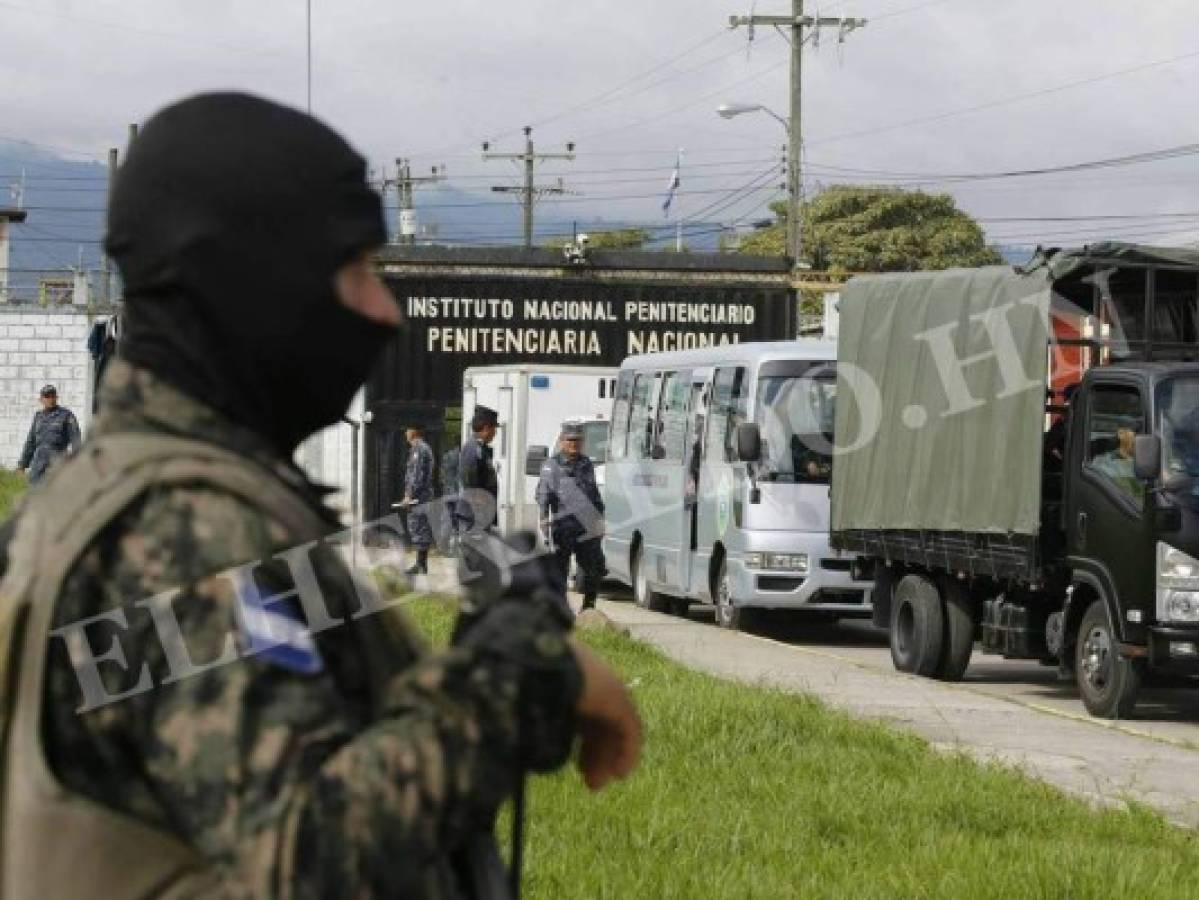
755 182
617 93
679 108
1168 153
749 161
882 17
1010 100
601 97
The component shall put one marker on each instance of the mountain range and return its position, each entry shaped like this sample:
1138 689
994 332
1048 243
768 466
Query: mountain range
65 199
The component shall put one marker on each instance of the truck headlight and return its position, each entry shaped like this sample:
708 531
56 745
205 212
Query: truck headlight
753 560
1177 585
1182 606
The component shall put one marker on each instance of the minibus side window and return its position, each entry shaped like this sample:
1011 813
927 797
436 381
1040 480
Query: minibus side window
641 421
620 415
728 409
672 417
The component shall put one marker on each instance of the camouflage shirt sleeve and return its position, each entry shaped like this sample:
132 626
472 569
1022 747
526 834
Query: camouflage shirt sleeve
326 784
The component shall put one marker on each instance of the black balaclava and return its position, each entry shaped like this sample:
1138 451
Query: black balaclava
228 221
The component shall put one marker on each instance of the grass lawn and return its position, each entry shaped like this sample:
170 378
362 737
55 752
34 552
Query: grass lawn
12 486
750 792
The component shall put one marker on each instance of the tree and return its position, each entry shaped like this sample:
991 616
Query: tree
618 239
865 229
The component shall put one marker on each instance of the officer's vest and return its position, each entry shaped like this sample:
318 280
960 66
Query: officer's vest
56 844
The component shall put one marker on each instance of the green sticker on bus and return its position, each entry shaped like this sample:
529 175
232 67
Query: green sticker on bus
724 502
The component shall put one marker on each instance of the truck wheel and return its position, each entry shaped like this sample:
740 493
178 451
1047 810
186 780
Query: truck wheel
959 630
1108 682
728 615
917 626
644 595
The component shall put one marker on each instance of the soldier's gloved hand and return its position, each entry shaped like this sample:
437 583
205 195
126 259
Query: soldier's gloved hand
515 608
523 615
493 570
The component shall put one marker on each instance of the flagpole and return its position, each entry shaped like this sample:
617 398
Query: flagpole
678 225
671 190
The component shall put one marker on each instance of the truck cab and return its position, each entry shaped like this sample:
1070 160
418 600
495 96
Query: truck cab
1130 521
989 513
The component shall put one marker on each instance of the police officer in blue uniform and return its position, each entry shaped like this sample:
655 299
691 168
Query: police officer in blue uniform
418 495
572 511
53 433
476 474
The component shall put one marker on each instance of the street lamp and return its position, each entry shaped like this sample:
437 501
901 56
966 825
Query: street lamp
731 111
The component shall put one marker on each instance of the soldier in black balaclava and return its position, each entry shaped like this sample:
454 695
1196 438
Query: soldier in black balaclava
257 727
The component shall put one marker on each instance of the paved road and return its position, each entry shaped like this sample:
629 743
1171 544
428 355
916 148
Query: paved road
1167 711
1012 712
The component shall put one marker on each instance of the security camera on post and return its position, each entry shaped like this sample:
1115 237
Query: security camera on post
576 251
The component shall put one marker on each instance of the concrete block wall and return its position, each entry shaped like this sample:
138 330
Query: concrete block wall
38 347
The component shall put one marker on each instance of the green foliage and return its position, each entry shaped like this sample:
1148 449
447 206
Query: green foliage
618 239
750 792
623 239
863 229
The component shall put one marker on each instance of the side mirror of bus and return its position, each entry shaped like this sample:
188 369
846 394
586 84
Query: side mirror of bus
749 443
535 458
1147 457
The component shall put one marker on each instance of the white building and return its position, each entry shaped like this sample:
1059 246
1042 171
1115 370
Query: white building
39 346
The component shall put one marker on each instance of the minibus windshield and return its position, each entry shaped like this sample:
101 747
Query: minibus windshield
595 442
795 418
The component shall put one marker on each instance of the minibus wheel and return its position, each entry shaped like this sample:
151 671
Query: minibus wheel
644 595
728 615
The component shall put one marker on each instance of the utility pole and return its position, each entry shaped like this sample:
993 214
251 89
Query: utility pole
105 263
404 184
308 58
530 191
798 23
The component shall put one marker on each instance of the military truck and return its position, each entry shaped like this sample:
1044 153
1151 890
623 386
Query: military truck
1018 464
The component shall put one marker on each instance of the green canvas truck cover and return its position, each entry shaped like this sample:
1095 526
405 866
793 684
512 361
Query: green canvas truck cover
941 400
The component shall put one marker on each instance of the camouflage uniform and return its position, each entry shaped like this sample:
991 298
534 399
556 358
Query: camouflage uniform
54 431
418 485
353 780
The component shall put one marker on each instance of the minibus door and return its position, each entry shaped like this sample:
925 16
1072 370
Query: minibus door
693 451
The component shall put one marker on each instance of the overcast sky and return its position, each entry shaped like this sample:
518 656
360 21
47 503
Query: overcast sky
431 80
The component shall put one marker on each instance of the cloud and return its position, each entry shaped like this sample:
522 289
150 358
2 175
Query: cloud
432 80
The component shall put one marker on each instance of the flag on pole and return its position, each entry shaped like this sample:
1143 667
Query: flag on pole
674 184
